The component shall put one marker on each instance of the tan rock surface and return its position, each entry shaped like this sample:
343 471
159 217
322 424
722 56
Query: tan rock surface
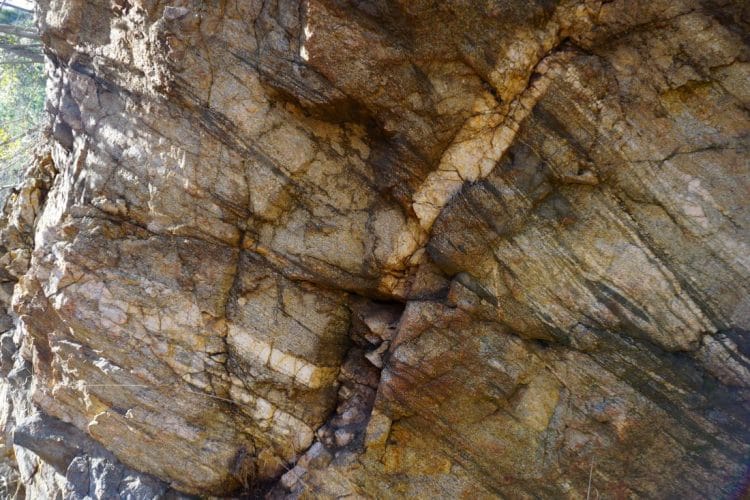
383 249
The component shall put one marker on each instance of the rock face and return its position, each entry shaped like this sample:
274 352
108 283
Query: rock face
386 248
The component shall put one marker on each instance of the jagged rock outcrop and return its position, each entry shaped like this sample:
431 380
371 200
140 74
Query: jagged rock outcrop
383 248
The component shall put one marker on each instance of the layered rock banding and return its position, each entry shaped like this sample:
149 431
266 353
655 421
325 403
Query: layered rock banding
386 249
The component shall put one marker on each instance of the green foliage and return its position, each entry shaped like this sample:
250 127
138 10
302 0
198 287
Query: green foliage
21 99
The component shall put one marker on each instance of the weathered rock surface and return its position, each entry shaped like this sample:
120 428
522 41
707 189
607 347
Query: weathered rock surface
383 249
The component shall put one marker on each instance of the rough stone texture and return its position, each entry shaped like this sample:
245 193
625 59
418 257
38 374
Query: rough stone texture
383 249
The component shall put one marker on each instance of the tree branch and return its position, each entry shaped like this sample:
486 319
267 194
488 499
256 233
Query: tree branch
17 138
19 31
30 52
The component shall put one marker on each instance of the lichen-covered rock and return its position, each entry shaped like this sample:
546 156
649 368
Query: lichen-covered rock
382 249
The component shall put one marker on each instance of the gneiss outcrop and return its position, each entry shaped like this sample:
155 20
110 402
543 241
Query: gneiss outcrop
387 248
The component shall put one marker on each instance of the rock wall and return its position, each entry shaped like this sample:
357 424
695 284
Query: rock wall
383 249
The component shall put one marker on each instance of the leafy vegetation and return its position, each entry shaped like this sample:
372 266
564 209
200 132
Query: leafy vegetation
21 93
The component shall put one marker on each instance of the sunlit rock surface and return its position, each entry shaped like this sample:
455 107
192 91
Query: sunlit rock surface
384 249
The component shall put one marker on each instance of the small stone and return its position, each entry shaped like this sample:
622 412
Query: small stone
376 356
172 13
291 478
343 437
316 457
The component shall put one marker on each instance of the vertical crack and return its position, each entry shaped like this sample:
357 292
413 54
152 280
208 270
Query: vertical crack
342 437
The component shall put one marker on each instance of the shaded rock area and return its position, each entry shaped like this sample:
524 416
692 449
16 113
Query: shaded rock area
382 249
